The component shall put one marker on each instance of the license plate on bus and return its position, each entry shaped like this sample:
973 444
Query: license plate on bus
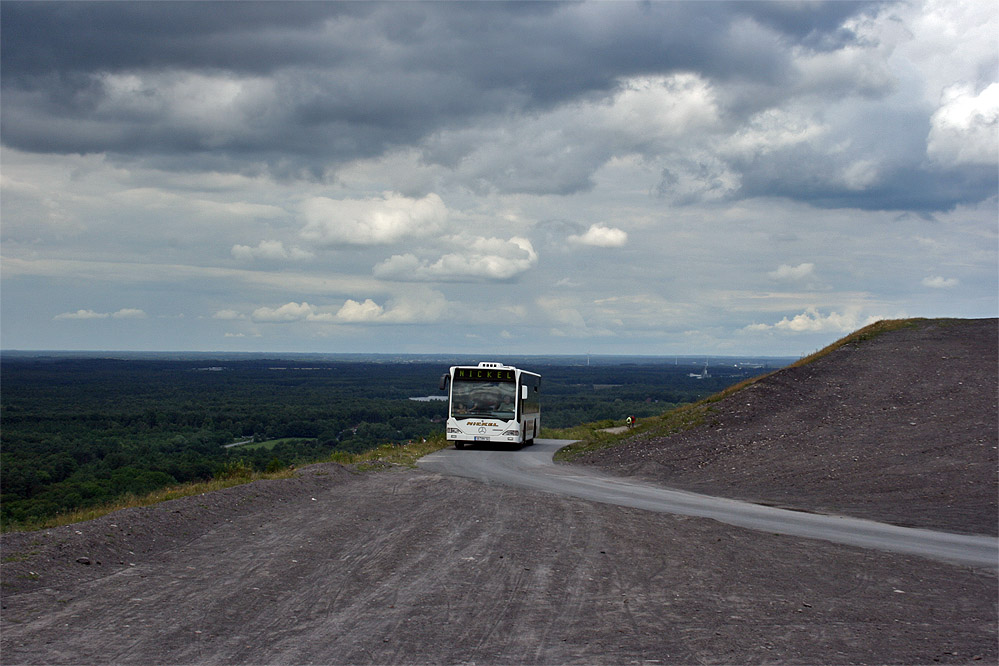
481 439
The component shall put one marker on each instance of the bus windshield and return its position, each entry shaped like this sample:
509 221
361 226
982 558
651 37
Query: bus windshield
492 399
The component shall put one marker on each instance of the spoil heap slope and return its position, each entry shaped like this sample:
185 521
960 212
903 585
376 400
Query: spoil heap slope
898 427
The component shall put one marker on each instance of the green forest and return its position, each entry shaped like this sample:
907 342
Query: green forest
80 431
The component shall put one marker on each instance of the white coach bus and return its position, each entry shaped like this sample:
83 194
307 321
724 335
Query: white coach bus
492 402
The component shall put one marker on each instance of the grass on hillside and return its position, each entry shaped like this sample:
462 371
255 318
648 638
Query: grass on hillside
868 332
589 438
684 417
390 454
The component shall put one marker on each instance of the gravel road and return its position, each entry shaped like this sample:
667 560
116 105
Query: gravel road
533 468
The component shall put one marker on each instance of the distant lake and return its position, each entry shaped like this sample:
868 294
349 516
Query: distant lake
428 398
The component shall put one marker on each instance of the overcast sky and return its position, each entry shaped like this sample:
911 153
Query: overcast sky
527 178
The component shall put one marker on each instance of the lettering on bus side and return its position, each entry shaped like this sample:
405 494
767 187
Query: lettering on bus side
485 375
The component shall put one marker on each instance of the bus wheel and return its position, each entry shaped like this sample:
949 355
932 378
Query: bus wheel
459 445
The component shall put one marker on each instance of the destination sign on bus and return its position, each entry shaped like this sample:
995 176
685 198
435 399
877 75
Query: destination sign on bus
485 375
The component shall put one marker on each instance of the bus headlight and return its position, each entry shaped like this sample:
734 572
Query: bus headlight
512 433
454 430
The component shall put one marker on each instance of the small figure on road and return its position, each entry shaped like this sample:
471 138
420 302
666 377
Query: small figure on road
630 421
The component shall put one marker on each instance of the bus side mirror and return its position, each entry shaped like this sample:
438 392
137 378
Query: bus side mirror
444 379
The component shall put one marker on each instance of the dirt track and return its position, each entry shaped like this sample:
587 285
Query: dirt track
408 567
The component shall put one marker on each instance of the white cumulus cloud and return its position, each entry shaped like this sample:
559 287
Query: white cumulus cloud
478 259
269 249
939 282
788 272
965 129
374 221
124 313
813 321
663 107
353 311
129 313
290 312
418 307
600 236
82 314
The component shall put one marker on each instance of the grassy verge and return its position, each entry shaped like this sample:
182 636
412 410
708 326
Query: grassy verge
592 438
162 495
581 431
866 333
390 454
237 474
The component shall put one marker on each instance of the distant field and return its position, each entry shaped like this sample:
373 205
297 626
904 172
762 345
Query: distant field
271 443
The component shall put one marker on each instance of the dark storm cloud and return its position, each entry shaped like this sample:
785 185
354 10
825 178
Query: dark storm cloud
812 22
353 78
902 187
321 84
498 43
45 37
